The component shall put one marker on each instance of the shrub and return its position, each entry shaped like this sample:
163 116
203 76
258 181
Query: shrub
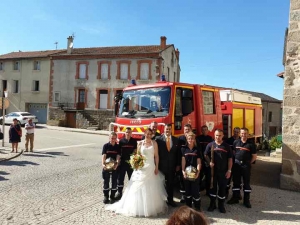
274 143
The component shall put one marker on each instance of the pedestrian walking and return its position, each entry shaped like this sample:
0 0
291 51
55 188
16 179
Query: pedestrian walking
245 155
15 134
29 136
110 150
218 155
128 146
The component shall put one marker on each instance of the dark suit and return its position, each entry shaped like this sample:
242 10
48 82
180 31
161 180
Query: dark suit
168 160
153 138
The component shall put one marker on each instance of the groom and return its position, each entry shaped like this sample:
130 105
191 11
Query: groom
168 148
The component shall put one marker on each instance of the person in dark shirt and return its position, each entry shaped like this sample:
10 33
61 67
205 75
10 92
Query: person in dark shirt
128 147
235 136
221 164
110 150
182 142
153 127
202 141
191 157
245 155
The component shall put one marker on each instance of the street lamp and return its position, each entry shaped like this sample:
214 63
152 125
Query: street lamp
3 115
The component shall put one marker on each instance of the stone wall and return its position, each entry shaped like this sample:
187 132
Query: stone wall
103 117
55 115
290 174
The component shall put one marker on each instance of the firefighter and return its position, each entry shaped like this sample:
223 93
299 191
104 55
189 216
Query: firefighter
245 155
153 127
191 157
110 150
202 141
182 142
219 156
235 136
128 147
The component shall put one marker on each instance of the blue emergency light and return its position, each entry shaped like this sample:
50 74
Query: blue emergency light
163 78
133 82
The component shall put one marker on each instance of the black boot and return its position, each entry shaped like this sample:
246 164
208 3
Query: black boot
221 206
247 200
182 200
212 205
234 199
112 196
118 196
188 201
106 196
197 205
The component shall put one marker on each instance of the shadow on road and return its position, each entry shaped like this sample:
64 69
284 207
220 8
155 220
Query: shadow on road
38 155
2 177
54 153
18 163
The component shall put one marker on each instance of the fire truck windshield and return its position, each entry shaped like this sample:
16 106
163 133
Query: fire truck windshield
145 103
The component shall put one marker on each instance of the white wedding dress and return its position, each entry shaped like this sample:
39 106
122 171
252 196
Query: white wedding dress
145 194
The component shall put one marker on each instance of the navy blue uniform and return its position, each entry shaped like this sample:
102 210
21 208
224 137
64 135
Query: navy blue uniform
111 151
127 148
242 165
182 142
203 141
222 153
230 141
191 187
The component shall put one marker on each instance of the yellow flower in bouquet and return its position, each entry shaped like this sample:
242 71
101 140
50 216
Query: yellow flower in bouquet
137 161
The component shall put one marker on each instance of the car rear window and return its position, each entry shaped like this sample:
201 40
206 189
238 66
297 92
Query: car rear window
26 114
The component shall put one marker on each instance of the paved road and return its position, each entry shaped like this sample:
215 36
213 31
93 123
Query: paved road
60 183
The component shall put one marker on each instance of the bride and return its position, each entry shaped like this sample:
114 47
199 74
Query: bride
145 194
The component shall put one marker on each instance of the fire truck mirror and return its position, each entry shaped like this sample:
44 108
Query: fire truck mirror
187 93
187 106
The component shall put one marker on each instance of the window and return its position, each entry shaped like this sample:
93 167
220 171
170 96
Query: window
56 97
81 95
16 65
124 71
172 59
15 86
36 65
144 71
36 85
270 117
104 71
178 108
208 102
103 99
1 66
82 71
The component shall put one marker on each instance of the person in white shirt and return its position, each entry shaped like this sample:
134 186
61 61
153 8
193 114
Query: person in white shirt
29 127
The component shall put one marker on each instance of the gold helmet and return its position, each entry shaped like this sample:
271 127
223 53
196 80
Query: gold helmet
191 173
109 164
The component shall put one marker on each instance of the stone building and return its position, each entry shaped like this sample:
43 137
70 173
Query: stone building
290 175
89 78
25 76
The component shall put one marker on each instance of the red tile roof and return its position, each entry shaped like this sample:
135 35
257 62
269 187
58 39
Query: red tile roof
35 54
88 51
116 50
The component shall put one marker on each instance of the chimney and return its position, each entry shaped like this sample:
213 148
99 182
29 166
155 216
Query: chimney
70 44
163 42
177 52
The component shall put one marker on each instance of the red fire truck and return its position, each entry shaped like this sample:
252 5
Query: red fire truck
181 103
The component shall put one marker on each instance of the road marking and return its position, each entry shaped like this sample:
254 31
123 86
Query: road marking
69 146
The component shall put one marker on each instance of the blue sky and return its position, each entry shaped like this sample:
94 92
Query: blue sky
233 43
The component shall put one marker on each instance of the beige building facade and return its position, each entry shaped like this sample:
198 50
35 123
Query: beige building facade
290 175
89 78
25 77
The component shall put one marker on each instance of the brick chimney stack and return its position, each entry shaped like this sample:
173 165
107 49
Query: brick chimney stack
70 44
177 52
163 42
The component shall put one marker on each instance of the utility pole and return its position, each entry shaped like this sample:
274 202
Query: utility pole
56 44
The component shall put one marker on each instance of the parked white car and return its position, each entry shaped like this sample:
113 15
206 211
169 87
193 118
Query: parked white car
22 118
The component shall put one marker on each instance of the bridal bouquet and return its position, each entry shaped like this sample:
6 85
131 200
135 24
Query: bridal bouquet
137 161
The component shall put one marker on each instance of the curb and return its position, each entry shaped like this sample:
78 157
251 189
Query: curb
10 158
106 133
